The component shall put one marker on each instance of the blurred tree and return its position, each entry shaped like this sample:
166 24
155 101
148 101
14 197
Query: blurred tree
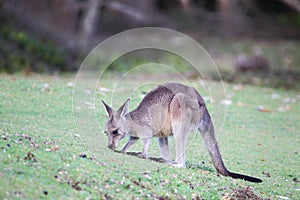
89 22
185 4
229 14
293 3
77 25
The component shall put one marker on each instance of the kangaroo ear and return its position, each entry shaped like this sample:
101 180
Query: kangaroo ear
109 110
123 110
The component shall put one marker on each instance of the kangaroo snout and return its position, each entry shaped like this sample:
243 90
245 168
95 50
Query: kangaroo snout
111 146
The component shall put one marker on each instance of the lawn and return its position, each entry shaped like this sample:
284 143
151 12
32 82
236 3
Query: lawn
44 155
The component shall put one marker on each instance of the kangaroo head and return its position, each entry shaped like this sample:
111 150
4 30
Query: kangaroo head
115 127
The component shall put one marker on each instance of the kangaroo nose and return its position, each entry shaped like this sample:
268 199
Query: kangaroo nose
111 146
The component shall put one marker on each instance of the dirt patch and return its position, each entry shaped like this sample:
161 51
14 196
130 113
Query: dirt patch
243 193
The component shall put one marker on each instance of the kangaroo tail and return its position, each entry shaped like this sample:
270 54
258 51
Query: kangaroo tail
206 129
244 177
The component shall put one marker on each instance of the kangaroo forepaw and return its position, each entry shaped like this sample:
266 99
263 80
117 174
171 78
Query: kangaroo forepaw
142 155
122 151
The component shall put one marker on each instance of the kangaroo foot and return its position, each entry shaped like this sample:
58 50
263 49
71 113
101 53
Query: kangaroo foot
175 164
160 160
142 155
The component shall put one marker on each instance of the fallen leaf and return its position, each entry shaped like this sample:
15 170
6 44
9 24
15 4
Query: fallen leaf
295 180
275 96
267 174
283 108
239 103
54 148
147 176
103 89
106 196
33 144
237 87
69 84
88 103
138 183
226 102
82 155
189 183
44 86
286 100
75 185
26 137
282 197
30 157
262 109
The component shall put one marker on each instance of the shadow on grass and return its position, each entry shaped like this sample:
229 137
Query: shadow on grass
200 166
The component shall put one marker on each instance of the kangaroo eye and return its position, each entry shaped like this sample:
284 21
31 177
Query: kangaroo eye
115 132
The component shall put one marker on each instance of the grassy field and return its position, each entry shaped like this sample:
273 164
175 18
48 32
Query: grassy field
42 155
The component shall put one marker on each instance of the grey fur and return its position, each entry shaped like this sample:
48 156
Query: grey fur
170 109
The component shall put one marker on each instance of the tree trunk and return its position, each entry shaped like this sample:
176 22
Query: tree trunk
231 17
295 4
185 4
89 22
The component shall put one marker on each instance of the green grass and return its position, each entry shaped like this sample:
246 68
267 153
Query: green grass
42 154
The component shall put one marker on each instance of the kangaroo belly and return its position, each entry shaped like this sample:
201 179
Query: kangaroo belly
160 120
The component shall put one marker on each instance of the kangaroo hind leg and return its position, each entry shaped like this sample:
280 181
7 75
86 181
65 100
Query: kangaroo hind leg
182 115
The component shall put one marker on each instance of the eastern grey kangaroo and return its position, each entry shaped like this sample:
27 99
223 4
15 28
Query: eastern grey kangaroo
170 109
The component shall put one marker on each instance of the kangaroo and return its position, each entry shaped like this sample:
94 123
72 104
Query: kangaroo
170 109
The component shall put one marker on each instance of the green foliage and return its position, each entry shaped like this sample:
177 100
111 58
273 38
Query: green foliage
291 19
284 71
21 51
125 64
